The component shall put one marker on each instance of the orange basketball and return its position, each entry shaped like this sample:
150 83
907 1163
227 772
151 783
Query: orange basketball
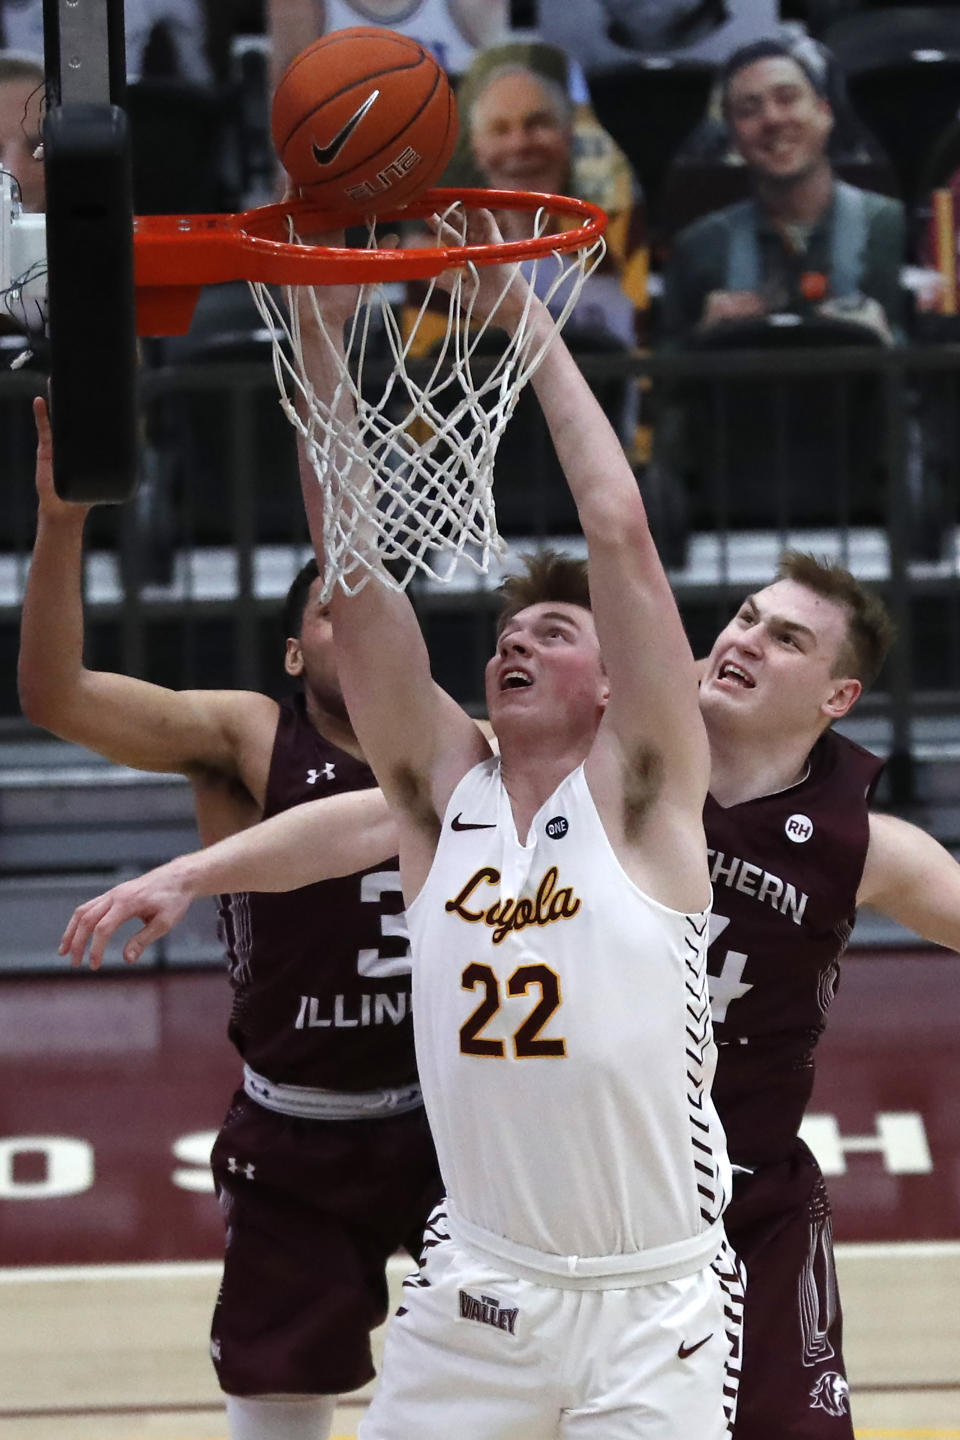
364 119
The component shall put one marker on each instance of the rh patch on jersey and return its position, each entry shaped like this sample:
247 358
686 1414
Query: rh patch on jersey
831 1393
798 828
488 1311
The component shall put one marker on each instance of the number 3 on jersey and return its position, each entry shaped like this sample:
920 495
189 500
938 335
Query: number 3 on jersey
526 1038
371 964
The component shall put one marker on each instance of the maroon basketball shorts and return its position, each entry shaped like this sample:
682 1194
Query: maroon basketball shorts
793 1382
313 1210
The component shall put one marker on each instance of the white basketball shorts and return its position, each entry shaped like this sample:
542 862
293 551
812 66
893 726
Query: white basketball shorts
477 1353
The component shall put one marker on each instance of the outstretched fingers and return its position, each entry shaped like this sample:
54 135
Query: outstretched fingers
481 229
495 291
93 924
48 499
82 926
41 418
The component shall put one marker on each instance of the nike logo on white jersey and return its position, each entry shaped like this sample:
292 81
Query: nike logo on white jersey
457 823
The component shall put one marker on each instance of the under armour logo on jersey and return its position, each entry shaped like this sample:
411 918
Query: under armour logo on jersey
798 828
488 1311
327 772
235 1168
832 1394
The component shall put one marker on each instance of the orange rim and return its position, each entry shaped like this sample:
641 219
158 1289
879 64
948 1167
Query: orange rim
174 255
206 249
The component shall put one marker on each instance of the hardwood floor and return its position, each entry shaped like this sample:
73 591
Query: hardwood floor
119 1352
111 1088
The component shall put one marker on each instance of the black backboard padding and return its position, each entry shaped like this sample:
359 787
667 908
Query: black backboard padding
91 301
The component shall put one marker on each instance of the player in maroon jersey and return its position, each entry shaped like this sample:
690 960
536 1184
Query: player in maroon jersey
794 849
324 1165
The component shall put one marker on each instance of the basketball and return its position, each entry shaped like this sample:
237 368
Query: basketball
364 120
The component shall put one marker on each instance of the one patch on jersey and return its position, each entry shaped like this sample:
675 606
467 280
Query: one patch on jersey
557 827
487 1310
798 828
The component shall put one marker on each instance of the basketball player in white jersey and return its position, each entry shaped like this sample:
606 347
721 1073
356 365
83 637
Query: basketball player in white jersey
452 30
578 1282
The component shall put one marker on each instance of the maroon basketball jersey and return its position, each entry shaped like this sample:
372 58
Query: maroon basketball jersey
785 870
321 975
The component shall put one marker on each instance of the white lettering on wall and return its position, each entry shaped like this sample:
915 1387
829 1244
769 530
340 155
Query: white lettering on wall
900 1138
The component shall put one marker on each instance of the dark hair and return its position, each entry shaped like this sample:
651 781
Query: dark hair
870 630
296 601
545 575
770 49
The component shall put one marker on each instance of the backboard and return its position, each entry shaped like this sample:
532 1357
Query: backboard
89 245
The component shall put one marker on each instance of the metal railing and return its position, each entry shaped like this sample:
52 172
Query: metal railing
183 585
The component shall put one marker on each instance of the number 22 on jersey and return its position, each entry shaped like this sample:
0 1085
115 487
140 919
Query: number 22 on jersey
527 1040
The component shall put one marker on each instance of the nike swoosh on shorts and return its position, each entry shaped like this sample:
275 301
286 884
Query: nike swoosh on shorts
686 1350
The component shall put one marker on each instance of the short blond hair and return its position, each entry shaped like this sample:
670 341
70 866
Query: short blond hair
545 575
870 630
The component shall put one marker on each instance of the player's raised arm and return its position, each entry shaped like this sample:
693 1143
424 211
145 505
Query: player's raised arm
418 741
653 682
128 720
913 879
320 840
292 25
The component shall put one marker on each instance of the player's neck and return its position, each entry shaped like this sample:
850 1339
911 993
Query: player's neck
532 768
335 728
742 768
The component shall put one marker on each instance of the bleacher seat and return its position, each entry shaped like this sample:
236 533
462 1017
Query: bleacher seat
186 150
214 443
650 106
903 78
774 452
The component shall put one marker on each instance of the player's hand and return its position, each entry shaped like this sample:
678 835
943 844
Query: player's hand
50 504
160 899
497 292
336 303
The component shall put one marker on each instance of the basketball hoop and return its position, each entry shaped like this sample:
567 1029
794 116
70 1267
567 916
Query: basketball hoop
409 484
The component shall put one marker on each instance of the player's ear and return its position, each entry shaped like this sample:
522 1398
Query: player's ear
293 657
843 696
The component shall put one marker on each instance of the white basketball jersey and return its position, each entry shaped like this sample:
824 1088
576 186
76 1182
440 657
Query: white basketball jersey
564 1043
427 21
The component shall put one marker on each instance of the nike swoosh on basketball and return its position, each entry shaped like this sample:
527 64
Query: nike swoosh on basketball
326 154
457 824
686 1350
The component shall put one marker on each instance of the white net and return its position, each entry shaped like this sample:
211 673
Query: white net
407 481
